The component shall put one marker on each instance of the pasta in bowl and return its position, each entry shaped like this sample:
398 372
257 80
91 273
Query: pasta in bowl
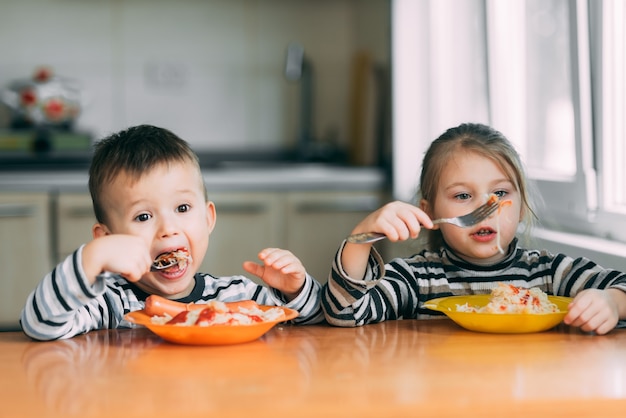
214 323
507 310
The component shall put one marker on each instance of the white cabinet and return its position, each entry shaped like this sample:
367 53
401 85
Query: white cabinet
25 250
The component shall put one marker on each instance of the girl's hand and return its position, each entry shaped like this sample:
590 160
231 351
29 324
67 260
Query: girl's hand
281 270
596 310
399 221
128 255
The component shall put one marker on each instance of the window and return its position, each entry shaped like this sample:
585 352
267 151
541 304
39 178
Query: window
553 80
541 100
609 40
557 83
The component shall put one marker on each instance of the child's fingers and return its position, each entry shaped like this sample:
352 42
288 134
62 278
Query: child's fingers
578 311
254 268
285 263
589 314
399 221
276 256
605 327
270 254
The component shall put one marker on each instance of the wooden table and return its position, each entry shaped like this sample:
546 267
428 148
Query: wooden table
394 369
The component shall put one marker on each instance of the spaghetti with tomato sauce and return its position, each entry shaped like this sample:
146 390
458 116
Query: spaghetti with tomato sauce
218 313
495 199
509 299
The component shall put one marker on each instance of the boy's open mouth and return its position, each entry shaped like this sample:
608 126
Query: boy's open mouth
172 260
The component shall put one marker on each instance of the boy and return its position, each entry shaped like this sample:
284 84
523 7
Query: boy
149 200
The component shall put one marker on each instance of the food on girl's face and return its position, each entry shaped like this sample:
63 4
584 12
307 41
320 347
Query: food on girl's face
219 313
180 258
492 199
501 203
509 299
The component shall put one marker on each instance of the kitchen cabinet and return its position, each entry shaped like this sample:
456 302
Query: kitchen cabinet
246 223
25 250
317 222
73 222
309 224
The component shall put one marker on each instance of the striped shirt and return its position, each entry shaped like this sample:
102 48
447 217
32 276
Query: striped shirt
65 304
398 289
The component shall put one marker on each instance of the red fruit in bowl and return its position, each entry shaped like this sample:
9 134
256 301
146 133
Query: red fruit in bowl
54 109
28 98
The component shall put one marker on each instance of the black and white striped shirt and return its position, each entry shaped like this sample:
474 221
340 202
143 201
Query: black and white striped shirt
64 304
398 289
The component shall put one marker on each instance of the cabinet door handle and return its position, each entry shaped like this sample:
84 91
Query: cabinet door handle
339 206
240 208
16 211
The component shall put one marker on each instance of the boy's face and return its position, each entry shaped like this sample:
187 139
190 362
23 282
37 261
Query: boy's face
167 207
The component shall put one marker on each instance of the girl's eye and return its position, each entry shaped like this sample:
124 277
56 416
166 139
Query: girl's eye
143 217
501 193
462 196
183 208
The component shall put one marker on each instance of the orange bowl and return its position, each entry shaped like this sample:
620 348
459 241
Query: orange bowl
212 334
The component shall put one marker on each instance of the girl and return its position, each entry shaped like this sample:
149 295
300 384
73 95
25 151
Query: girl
460 170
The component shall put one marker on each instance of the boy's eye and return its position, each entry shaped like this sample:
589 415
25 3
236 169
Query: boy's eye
183 208
143 217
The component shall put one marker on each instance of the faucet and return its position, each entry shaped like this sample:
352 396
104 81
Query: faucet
299 68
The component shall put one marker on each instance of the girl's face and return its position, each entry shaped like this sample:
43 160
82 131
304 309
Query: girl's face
166 206
465 183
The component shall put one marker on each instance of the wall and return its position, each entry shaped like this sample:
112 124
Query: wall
439 79
211 70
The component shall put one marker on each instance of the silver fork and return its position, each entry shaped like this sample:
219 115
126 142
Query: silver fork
472 218
153 267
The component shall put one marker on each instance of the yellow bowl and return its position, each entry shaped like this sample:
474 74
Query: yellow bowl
498 323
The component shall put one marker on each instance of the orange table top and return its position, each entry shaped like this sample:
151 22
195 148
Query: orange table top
398 368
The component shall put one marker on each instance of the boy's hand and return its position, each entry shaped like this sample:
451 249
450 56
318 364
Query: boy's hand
127 255
281 270
595 310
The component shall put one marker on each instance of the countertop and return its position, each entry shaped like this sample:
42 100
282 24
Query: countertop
234 177
429 368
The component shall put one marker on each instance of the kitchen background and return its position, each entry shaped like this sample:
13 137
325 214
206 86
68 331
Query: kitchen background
287 103
214 72
286 82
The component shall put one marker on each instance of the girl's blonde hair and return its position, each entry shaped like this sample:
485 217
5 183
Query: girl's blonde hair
485 141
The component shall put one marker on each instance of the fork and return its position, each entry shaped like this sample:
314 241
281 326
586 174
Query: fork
472 218
153 267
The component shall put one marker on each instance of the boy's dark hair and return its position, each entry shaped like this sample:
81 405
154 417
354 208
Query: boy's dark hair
133 151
